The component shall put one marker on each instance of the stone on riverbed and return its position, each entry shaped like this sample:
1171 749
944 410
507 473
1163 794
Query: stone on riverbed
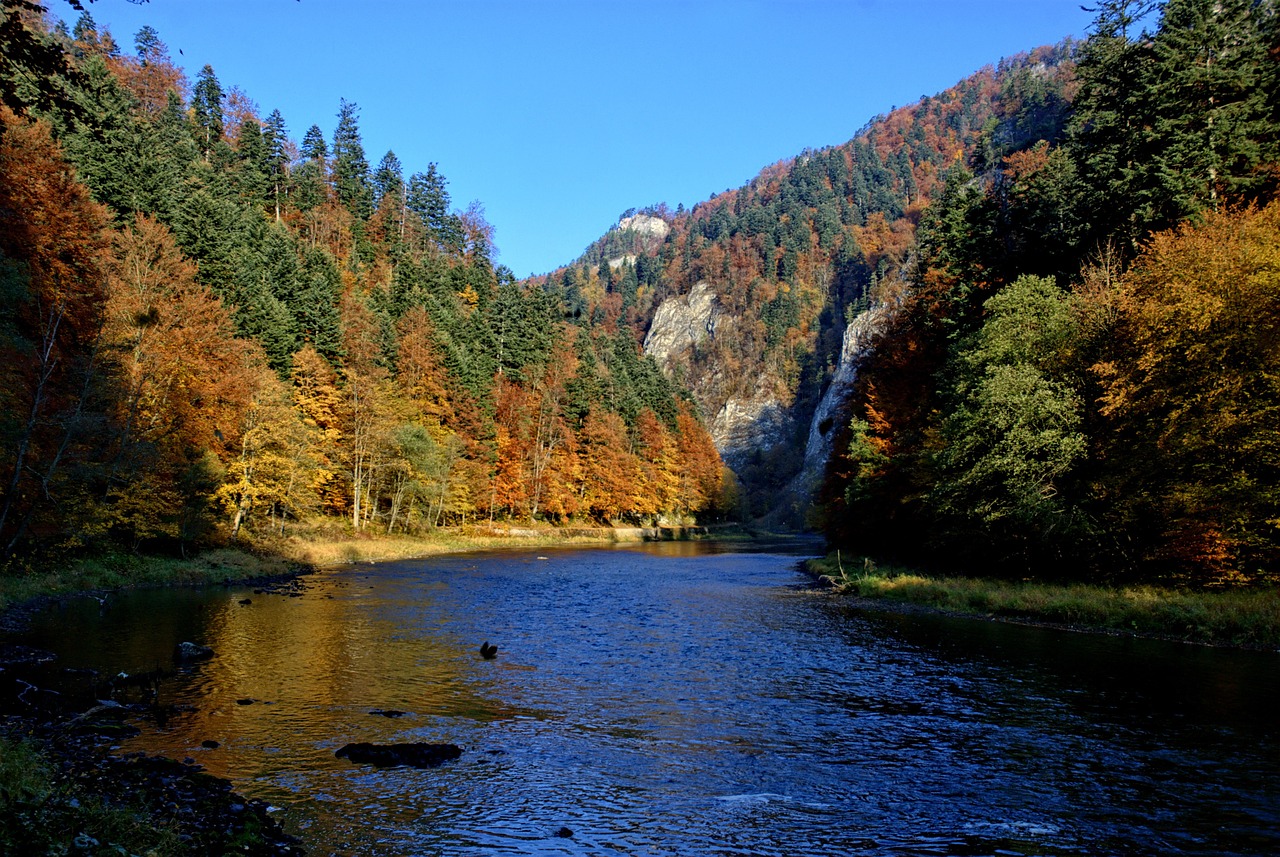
192 652
391 755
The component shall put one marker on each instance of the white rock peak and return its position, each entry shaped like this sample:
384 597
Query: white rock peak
645 224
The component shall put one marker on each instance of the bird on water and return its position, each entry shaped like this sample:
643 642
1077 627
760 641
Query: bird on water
487 651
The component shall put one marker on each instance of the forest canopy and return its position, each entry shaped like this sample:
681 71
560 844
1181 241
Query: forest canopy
1078 375
211 328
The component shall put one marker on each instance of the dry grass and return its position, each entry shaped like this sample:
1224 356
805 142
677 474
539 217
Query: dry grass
317 544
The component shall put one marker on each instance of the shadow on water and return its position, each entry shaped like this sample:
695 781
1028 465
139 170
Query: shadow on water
693 698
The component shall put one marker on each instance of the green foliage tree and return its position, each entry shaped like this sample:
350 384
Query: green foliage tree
1015 431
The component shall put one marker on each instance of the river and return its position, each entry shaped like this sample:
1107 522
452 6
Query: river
692 698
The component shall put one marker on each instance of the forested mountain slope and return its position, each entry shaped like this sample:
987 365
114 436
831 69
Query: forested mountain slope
210 327
745 298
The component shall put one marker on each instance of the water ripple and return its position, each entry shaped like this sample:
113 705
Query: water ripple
686 700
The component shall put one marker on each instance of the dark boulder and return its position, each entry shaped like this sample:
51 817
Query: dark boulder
392 755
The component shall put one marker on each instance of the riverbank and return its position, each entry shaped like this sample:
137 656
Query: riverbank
63 788
299 550
1243 618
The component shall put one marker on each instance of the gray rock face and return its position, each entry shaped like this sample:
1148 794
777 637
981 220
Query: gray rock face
858 336
746 425
681 323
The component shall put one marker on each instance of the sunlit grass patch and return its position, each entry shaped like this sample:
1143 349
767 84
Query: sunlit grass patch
1239 617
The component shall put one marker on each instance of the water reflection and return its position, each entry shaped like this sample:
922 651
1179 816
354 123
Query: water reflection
681 698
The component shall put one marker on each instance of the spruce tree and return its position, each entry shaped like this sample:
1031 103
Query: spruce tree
1211 58
206 110
310 180
428 198
314 147
350 168
276 137
388 180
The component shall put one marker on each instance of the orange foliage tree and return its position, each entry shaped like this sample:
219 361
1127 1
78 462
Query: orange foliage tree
1193 397
53 250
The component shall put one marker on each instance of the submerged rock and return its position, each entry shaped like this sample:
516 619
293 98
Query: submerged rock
393 755
187 651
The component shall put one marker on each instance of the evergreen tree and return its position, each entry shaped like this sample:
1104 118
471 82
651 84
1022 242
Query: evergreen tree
388 180
314 147
311 178
276 137
316 310
252 177
128 163
207 110
147 43
350 168
428 198
1214 118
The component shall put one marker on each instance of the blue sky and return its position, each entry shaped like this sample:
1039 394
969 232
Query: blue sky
558 115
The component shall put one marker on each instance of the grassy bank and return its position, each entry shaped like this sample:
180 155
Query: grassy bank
326 545
1245 618
305 545
124 570
40 813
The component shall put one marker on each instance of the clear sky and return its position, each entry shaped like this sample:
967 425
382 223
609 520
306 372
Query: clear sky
558 115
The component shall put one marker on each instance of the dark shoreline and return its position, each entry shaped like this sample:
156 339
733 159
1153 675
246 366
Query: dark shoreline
90 795
152 802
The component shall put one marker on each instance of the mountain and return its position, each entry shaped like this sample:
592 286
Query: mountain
746 298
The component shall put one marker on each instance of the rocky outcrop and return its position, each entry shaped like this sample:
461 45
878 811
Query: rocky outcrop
744 426
681 323
645 224
858 337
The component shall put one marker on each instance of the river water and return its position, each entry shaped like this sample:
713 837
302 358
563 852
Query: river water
693 699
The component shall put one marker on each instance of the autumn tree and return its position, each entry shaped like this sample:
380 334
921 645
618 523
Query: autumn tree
272 474
186 384
1192 399
53 258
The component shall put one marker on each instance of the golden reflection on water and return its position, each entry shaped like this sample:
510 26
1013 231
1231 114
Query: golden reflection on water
285 665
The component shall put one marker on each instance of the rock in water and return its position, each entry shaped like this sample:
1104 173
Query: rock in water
192 652
392 755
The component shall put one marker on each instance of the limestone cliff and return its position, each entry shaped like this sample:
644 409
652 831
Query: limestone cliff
856 345
680 323
742 417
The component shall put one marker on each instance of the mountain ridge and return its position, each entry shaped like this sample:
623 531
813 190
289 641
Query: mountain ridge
782 265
